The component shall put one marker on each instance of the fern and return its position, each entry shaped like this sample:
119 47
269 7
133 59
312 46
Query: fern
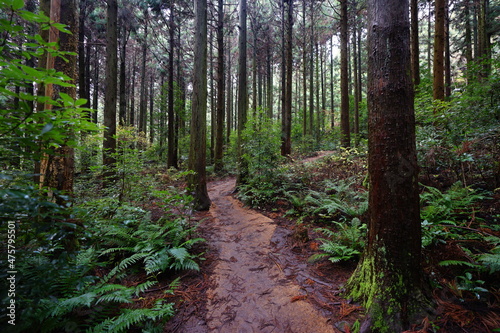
491 260
457 263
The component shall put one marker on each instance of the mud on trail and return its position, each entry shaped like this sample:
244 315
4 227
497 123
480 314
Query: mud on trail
256 282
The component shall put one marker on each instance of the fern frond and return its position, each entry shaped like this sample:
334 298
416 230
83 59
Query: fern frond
457 263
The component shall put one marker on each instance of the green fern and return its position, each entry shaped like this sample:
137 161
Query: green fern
491 260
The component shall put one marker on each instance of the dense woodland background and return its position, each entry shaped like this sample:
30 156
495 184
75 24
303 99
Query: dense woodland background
106 144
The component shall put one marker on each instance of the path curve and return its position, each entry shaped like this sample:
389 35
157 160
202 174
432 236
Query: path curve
251 292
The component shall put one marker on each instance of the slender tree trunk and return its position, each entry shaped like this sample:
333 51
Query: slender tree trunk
415 53
82 60
221 98
95 96
172 161
242 93
389 277
151 110
143 97
439 42
356 87
286 121
132 93
332 101
270 89
468 40
197 152
311 75
447 54
345 131
305 128
229 125
122 114
109 144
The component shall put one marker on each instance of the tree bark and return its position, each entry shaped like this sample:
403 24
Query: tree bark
197 182
242 93
109 144
172 161
415 53
286 120
439 43
345 131
143 97
388 279
220 110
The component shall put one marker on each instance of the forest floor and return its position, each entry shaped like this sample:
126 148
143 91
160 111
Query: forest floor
256 277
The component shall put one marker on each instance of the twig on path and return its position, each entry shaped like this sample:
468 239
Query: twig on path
275 261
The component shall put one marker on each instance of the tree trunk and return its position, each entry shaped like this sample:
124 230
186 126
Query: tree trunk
82 60
356 85
388 279
229 125
109 144
220 111
57 169
95 86
151 110
197 153
286 120
143 97
242 93
438 65
468 40
172 161
345 131
123 84
415 53
447 53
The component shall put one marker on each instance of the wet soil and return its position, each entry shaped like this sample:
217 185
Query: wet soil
256 279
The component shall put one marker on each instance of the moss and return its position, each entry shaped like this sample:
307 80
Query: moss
385 296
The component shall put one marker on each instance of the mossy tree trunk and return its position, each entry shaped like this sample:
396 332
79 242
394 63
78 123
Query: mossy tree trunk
388 279
197 153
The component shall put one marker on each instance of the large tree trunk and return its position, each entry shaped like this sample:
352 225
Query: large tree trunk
286 121
345 131
388 279
197 153
57 170
220 111
242 93
123 84
109 144
439 43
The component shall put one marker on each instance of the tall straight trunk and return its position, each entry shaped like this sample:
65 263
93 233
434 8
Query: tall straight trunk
468 39
82 59
58 171
242 93
229 107
415 52
221 98
447 54
109 144
311 75
429 36
95 85
439 43
172 161
163 110
197 182
286 120
483 52
122 113
388 279
356 85
270 83
305 128
132 93
151 110
332 94
318 88
345 131
323 88
143 97
212 96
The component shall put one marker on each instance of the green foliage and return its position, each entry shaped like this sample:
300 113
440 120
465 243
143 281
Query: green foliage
442 211
345 244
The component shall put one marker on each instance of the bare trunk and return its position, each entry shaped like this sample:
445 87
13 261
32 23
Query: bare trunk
197 153
439 42
220 112
286 121
345 130
388 279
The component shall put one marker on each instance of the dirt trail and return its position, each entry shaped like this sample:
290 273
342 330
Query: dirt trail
252 292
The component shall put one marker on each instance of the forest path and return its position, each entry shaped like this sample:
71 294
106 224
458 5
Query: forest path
251 292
